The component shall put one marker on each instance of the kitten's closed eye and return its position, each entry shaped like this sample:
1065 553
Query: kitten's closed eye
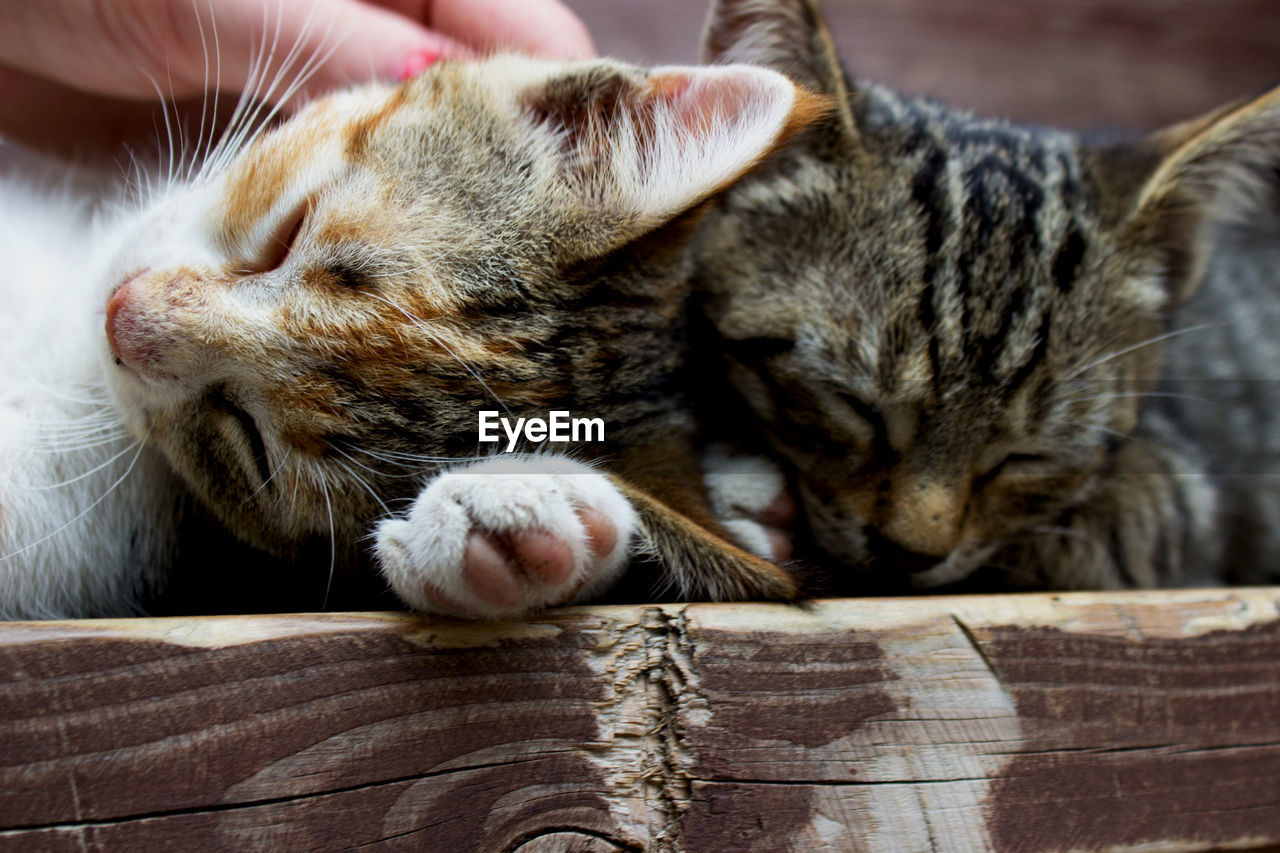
278 246
872 421
1012 463
241 427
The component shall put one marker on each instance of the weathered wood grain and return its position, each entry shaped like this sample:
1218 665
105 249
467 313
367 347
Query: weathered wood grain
1039 723
1080 63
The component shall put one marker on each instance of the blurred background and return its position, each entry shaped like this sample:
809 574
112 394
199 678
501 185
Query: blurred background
1086 64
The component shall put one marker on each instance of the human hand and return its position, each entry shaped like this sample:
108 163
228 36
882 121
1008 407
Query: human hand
66 65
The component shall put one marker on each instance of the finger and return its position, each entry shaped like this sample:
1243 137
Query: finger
336 42
50 116
376 44
122 49
131 49
538 27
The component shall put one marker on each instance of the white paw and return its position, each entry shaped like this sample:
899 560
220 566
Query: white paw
507 536
749 496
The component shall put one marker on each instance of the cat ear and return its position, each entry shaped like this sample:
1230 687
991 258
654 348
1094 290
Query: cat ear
639 149
1220 168
789 36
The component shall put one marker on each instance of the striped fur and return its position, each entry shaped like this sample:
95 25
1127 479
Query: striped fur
967 337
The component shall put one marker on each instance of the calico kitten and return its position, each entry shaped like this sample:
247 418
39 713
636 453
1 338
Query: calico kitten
998 357
292 344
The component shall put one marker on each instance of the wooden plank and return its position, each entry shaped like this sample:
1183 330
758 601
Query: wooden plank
1040 723
1019 723
1083 63
192 732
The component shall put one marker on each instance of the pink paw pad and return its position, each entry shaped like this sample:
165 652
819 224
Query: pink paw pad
502 571
776 519
545 557
487 572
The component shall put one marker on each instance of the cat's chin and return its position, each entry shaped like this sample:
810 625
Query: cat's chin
139 398
851 545
957 566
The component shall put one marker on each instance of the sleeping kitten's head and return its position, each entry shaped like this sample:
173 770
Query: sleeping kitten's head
318 318
948 323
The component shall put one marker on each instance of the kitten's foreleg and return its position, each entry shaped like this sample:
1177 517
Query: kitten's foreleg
508 536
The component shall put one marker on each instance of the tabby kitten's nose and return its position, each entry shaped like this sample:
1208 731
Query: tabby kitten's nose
924 517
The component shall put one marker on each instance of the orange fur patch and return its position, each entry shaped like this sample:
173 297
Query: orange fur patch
809 107
259 178
362 130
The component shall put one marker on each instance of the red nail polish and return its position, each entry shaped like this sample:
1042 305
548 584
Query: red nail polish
416 63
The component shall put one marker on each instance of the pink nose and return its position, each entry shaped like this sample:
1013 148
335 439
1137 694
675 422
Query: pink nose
113 311
125 334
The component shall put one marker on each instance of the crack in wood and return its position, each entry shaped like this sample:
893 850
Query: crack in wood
667 656
925 815
836 784
250 804
977 648
1227 747
1172 748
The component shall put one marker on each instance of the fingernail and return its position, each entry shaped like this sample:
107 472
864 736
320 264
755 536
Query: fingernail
416 63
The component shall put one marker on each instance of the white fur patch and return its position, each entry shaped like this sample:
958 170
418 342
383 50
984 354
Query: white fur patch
740 488
504 496
86 516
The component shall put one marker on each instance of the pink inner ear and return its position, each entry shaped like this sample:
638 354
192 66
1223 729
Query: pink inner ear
704 99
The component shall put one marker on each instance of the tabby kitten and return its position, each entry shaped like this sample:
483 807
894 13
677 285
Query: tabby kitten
300 335
997 356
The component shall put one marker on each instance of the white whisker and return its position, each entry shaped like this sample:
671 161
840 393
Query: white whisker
365 485
1133 348
129 470
271 476
204 93
375 471
1121 395
400 458
232 138
80 477
333 545
168 125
